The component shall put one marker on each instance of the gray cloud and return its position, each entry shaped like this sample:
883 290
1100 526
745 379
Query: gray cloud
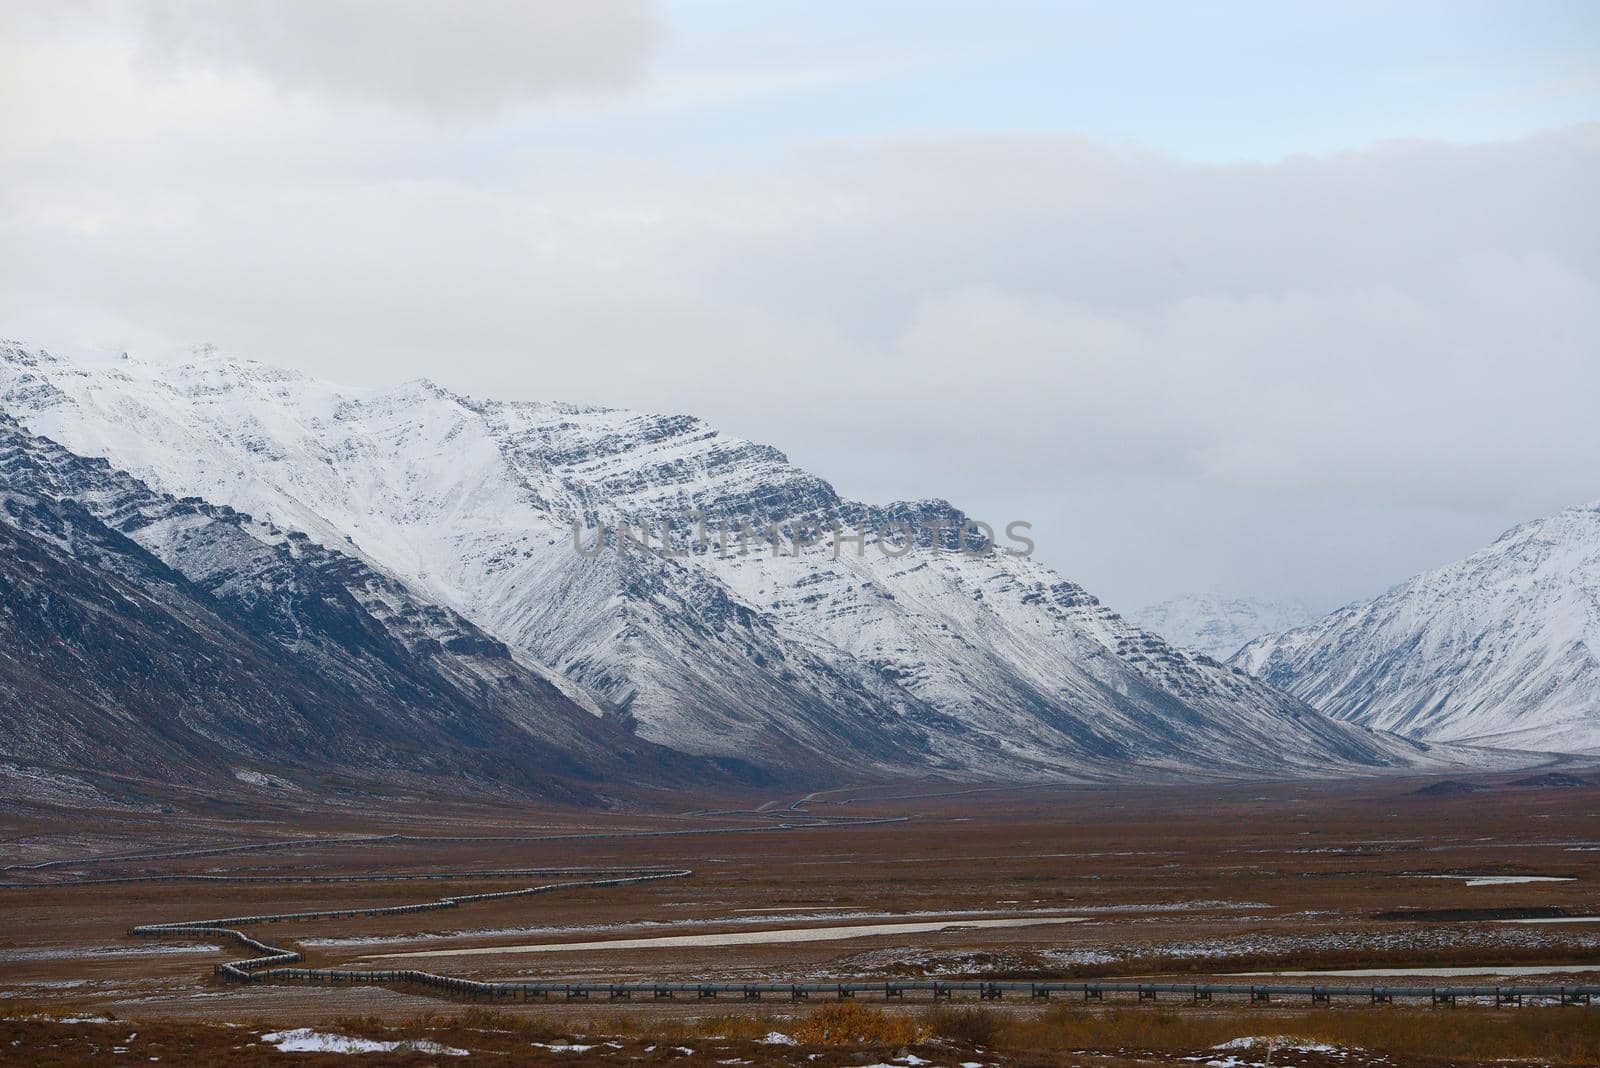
410 54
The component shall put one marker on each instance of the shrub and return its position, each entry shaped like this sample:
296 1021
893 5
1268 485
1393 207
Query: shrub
975 1027
851 1024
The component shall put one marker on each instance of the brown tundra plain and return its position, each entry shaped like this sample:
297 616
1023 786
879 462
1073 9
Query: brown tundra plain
754 910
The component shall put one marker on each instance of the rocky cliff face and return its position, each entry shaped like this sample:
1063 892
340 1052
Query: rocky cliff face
1501 648
975 664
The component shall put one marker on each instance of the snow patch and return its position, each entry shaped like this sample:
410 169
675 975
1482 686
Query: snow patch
306 1040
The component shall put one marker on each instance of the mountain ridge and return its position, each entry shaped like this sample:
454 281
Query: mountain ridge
958 663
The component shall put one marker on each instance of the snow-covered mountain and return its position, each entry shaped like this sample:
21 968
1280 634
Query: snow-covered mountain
1219 626
174 639
1501 648
859 661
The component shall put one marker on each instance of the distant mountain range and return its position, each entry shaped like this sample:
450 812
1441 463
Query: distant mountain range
1499 649
1219 626
411 554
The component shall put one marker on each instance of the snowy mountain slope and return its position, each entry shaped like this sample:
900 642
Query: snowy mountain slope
108 661
409 474
981 665
1219 626
113 661
363 675
1036 666
1501 648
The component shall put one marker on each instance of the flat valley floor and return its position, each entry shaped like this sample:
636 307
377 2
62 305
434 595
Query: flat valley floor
1240 883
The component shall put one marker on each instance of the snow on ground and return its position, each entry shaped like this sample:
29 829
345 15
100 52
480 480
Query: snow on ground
45 787
305 1040
258 778
1476 969
11 956
1267 1044
1504 880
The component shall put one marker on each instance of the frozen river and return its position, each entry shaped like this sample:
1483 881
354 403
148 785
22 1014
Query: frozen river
744 938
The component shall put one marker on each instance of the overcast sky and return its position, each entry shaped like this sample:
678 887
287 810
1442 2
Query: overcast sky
1273 299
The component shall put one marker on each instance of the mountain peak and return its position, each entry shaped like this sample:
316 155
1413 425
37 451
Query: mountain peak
18 354
1219 625
1501 647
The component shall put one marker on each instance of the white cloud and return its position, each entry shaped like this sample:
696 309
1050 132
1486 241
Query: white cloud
1009 321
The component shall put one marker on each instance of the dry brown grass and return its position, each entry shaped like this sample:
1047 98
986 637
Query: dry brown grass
725 1026
1560 1035
1143 1036
969 1026
849 1024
